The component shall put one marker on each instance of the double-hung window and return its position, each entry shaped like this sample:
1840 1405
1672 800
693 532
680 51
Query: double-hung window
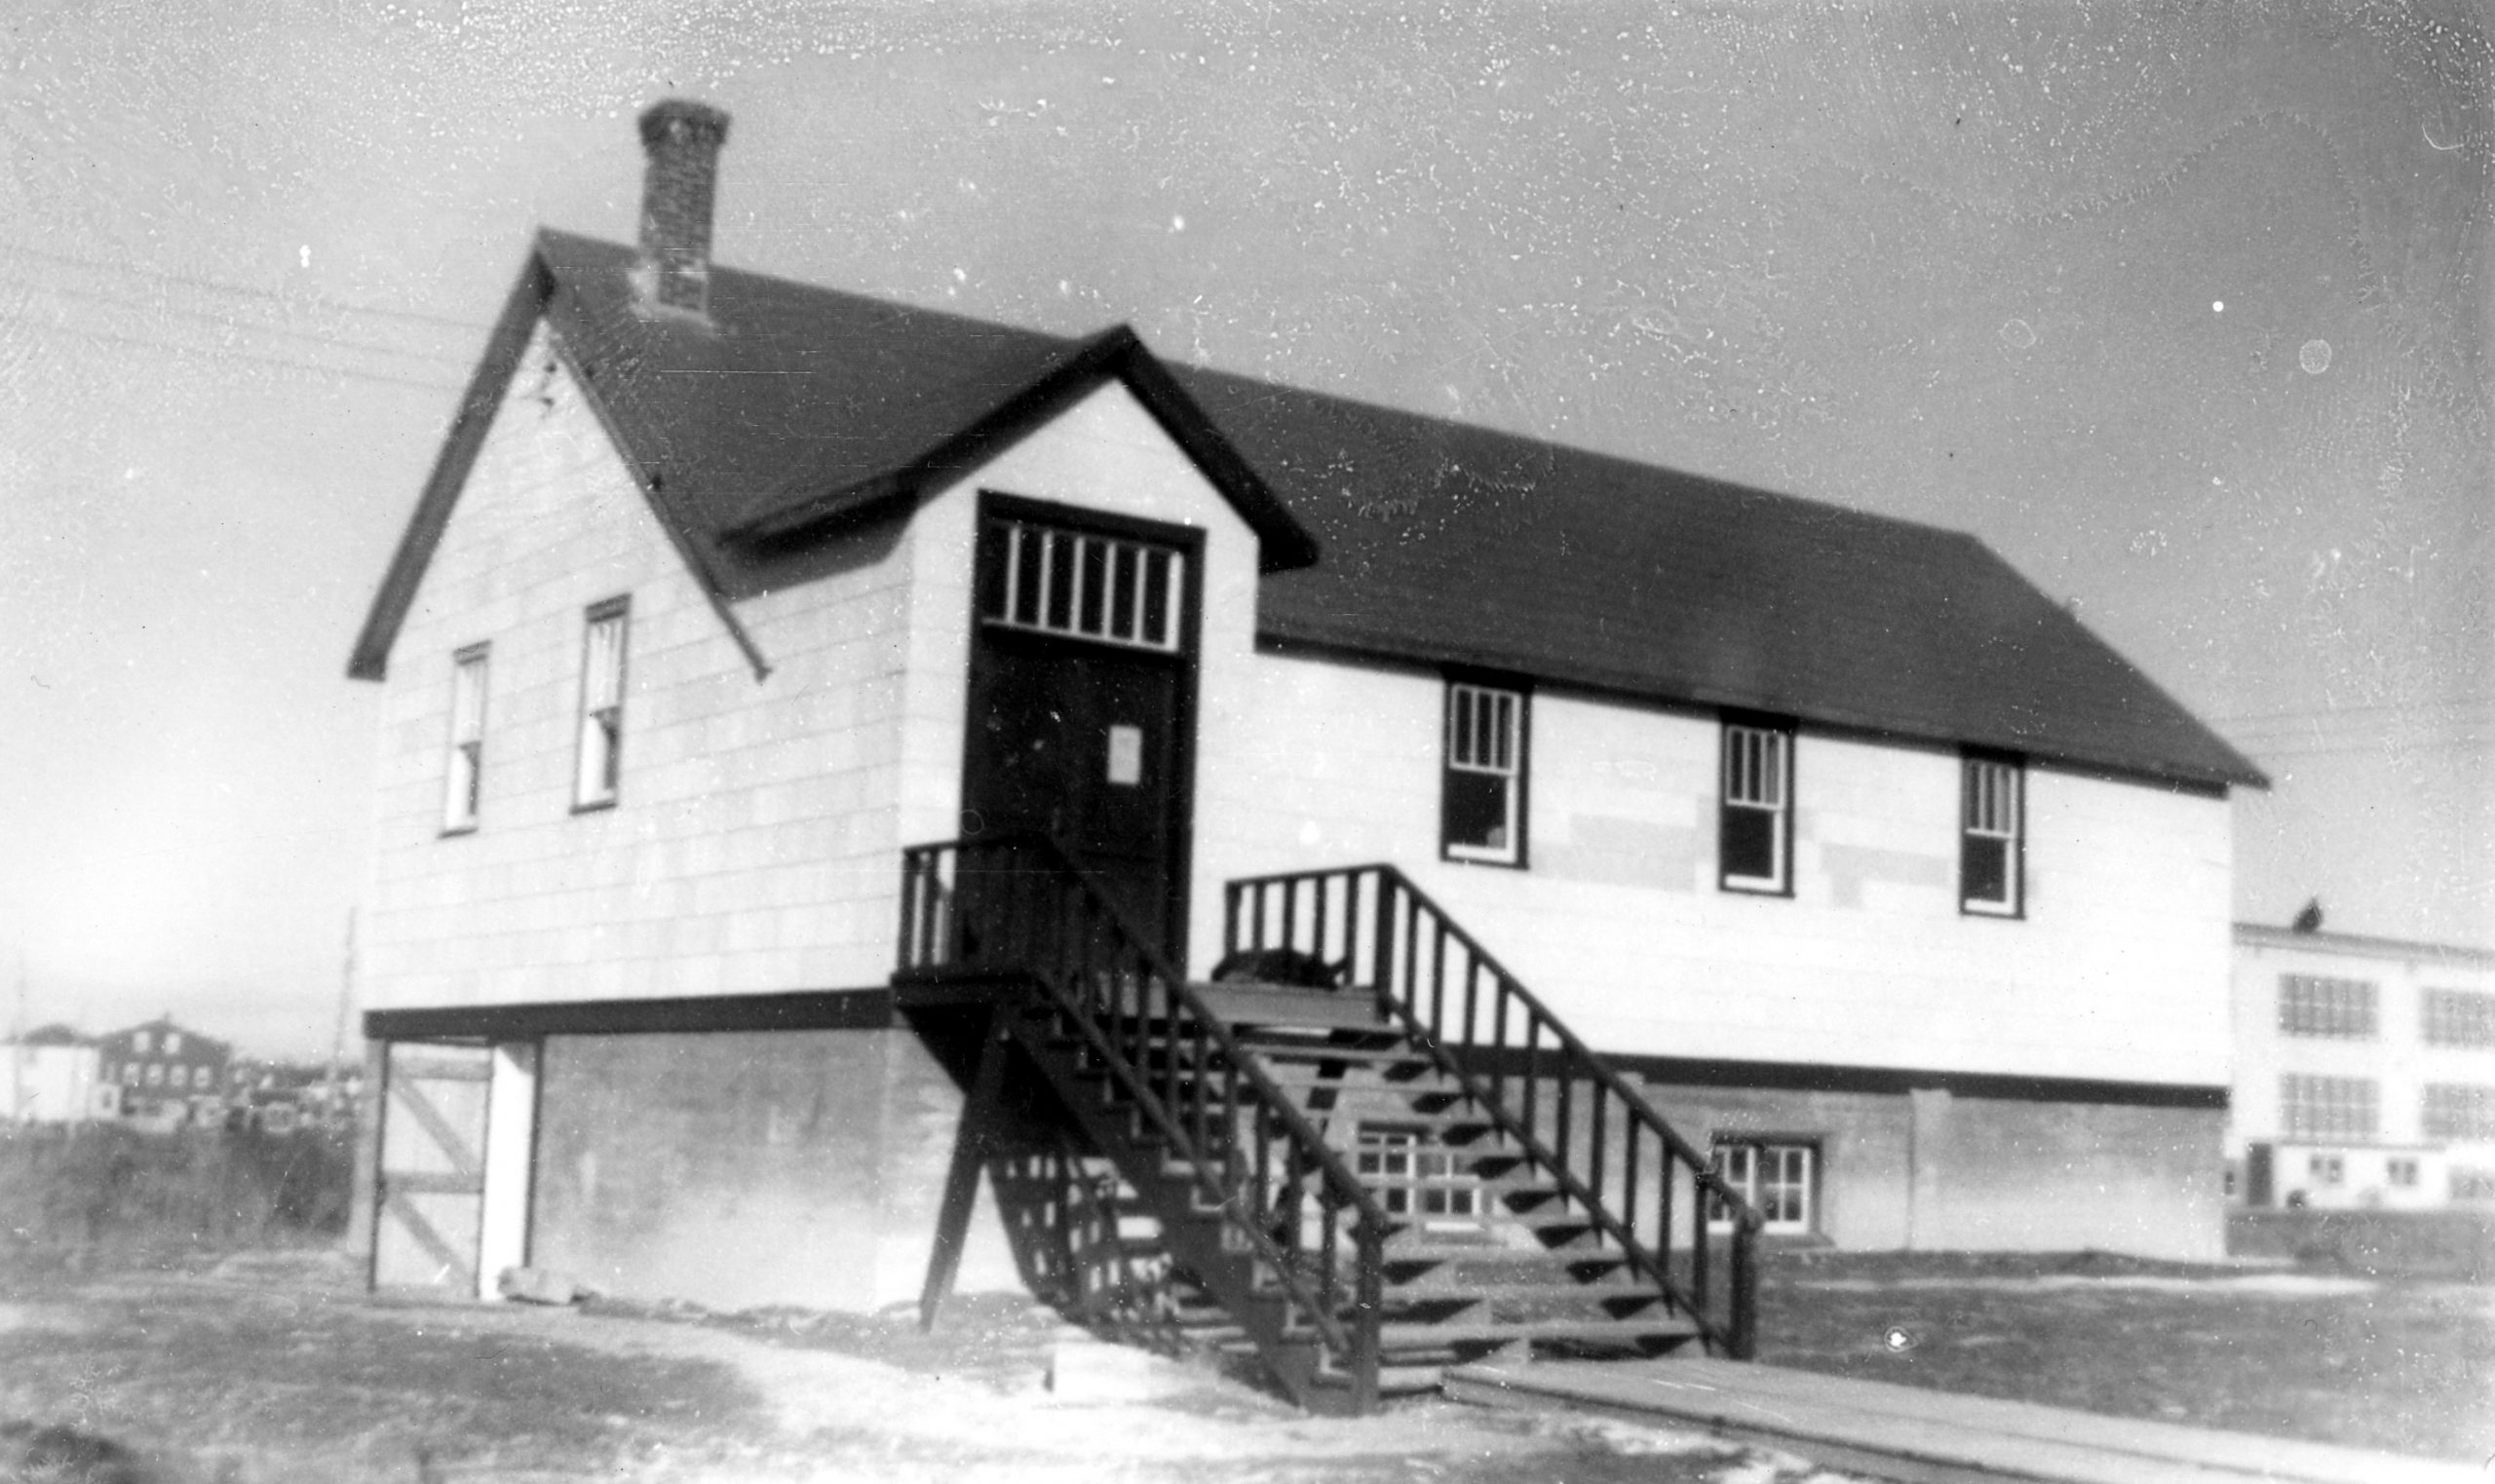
601 748
1991 832
464 783
1757 824
1481 800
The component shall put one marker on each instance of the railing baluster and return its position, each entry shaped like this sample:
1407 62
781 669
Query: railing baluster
1697 1213
1600 1098
1015 902
1629 1177
1565 1112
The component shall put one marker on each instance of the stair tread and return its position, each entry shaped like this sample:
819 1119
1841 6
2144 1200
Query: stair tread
1422 1290
1460 1331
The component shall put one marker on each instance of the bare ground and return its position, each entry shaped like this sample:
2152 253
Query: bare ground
272 1371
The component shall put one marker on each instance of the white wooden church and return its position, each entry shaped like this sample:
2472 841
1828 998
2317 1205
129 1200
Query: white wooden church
829 747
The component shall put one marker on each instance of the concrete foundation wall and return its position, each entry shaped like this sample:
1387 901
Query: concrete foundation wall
1925 1170
745 1169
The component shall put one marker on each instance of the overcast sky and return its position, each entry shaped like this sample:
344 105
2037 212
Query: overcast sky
2184 310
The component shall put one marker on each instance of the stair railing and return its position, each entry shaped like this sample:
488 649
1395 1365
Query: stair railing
1017 907
1575 1117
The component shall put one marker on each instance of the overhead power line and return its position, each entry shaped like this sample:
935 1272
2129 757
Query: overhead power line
220 285
244 327
222 353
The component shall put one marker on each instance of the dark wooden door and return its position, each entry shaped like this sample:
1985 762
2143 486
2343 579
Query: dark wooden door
1077 736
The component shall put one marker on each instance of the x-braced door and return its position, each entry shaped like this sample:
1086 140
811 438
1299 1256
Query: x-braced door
431 1198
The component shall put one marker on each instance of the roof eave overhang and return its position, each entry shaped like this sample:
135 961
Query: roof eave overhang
532 299
508 340
2214 774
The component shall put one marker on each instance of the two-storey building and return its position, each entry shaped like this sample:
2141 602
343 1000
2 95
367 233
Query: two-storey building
2364 1071
163 1070
1901 895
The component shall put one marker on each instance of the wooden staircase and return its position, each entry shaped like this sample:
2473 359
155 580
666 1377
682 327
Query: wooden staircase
1352 1190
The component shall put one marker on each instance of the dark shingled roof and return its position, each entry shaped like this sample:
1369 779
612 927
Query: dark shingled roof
1434 541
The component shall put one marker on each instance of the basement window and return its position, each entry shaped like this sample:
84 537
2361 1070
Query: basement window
1411 1177
601 745
463 783
1758 816
1482 794
1776 1177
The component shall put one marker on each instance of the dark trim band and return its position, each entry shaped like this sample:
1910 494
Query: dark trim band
1815 1076
813 1009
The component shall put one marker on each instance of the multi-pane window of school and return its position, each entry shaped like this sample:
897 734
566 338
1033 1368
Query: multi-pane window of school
2313 1004
2327 1108
2458 1017
1088 586
2458 1111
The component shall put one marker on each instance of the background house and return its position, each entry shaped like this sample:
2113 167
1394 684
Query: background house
2364 1071
1895 889
165 1071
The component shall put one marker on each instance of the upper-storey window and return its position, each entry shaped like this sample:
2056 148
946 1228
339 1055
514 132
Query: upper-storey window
2459 1017
602 750
1757 826
464 782
2458 1111
2311 1004
1481 793
2328 1108
1087 585
1991 836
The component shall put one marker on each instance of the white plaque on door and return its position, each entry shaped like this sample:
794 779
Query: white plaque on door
1125 755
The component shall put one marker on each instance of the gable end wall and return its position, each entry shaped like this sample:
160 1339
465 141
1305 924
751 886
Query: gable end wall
753 847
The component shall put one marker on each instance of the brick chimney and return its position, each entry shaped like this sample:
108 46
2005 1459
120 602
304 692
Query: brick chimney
682 140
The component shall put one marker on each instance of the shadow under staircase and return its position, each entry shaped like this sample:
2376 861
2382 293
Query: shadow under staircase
1356 1186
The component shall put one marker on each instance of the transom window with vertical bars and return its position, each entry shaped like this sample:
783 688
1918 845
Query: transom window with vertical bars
600 776
1773 1177
2458 1017
2331 1108
2314 1004
462 788
1991 834
2458 1111
1104 589
1756 816
1482 804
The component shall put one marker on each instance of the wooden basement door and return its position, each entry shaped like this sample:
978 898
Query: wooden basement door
1082 700
429 1228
